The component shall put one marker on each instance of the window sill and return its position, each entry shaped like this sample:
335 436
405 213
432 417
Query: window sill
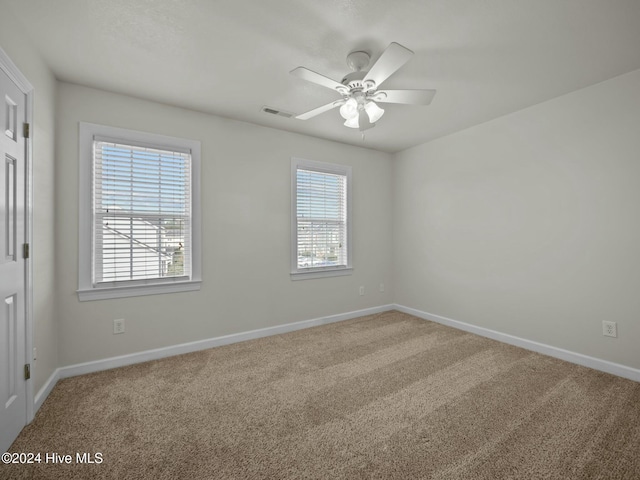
105 293
335 272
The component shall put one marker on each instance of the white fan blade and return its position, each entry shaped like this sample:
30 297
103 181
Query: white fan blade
413 97
363 121
311 76
319 110
394 56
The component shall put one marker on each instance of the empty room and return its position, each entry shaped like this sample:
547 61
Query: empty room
297 239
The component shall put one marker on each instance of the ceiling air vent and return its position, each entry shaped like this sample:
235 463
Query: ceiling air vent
274 111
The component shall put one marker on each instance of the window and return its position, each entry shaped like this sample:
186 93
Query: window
321 219
139 215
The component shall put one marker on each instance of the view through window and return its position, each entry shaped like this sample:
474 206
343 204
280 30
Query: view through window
321 217
142 213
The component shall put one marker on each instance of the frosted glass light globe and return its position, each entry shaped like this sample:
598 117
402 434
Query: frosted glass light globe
373 111
352 122
350 109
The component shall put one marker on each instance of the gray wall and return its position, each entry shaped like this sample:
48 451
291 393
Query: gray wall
529 224
246 203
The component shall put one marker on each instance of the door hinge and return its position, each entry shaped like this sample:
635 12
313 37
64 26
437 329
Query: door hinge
25 250
25 130
27 371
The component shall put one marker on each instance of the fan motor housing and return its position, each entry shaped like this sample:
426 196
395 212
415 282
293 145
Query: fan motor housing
357 61
353 80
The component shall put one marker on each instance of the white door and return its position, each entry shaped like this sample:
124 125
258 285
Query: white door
13 402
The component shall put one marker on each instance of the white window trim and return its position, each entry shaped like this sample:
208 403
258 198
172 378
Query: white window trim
86 290
300 274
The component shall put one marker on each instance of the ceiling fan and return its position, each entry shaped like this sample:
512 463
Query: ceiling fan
360 89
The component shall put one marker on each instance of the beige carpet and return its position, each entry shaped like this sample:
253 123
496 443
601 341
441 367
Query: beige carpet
384 396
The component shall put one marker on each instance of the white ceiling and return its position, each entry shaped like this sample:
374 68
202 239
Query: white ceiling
486 58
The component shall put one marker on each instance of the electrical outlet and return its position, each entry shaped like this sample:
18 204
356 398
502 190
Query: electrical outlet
609 329
118 326
361 290
382 287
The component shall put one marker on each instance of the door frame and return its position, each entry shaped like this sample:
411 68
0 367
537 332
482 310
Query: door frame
10 68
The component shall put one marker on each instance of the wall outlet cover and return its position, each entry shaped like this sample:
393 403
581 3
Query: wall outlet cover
118 326
609 329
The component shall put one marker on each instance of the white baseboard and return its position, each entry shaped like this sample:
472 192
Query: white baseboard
158 353
139 357
567 355
44 392
155 354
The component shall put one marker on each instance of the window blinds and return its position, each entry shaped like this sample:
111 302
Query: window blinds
321 217
141 213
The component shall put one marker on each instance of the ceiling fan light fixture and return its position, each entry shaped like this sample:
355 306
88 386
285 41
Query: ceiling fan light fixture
350 109
359 88
373 111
